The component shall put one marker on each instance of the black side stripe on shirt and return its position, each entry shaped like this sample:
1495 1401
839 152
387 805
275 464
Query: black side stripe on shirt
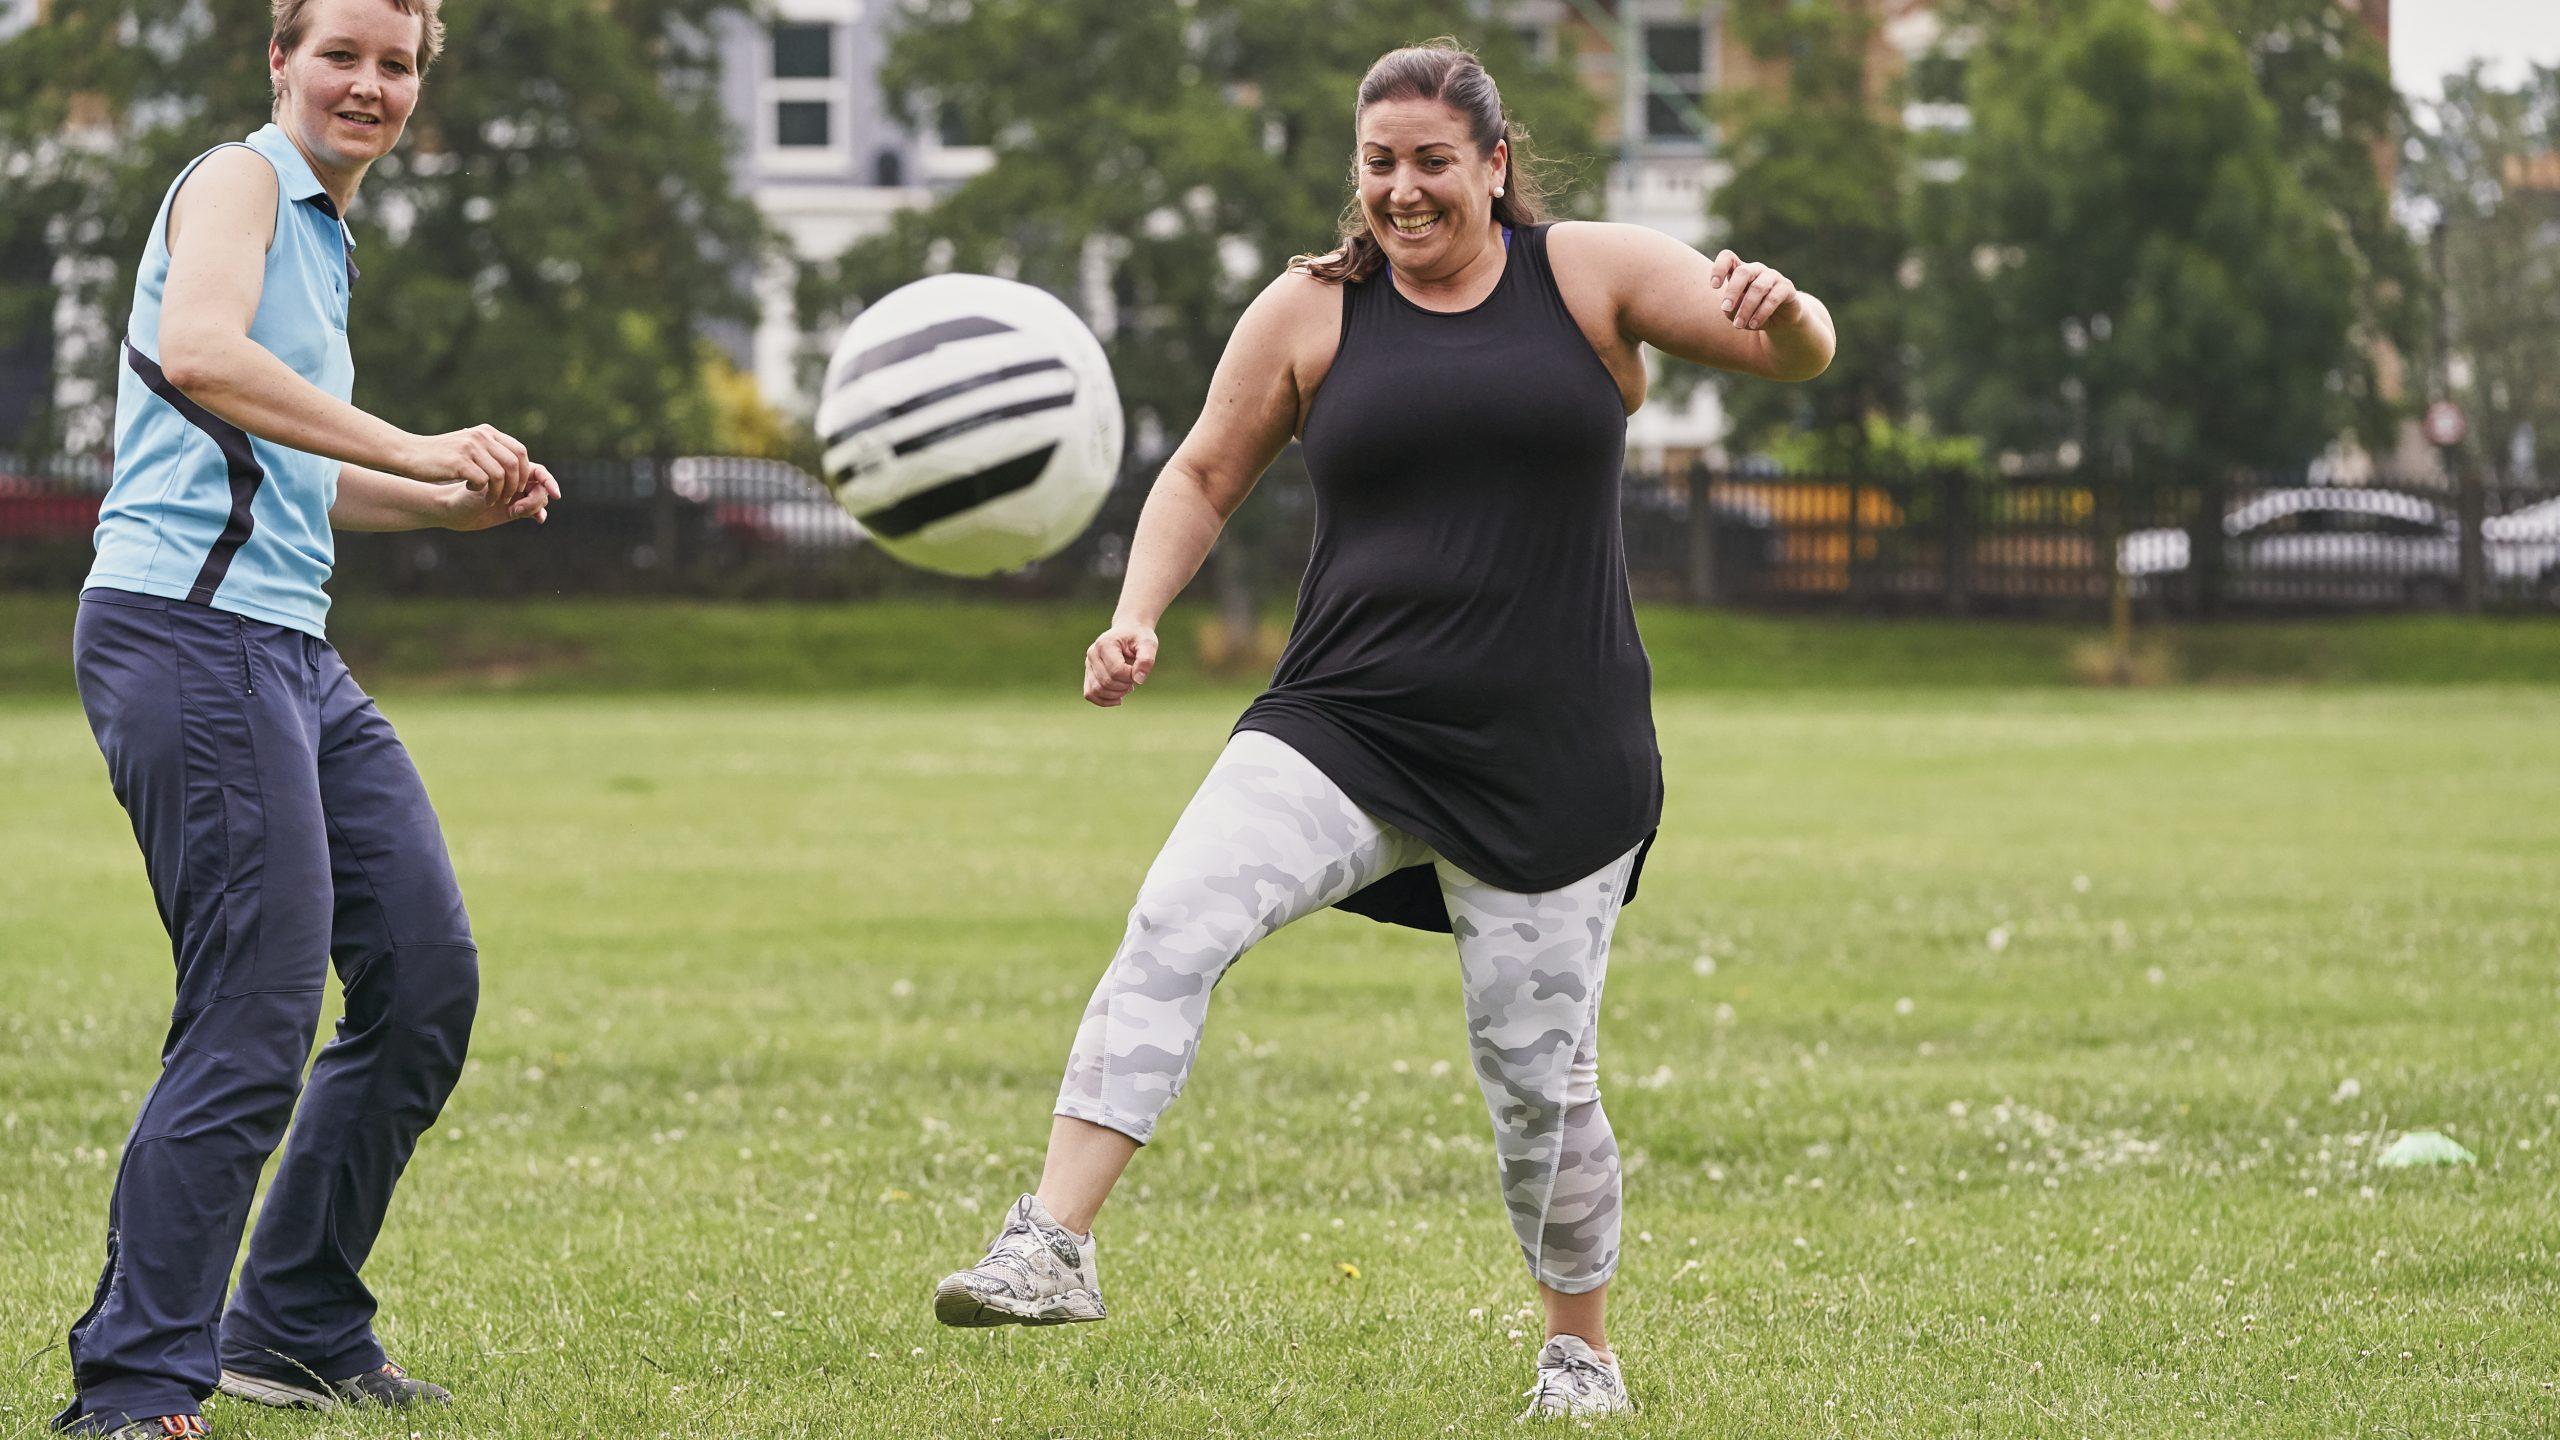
237 458
953 496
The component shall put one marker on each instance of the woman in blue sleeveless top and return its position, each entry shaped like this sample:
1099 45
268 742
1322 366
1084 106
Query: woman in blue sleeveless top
1459 736
284 827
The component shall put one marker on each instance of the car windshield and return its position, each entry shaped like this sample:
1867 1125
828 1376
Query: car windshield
2299 513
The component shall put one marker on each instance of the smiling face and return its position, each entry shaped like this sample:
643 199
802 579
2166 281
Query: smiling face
346 91
1425 186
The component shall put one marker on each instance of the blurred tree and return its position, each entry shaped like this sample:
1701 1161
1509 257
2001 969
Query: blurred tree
541 253
1156 165
1817 190
2126 260
743 422
2485 165
2339 119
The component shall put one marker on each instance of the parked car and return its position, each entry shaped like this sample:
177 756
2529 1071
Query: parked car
2530 536
36 507
2339 544
2537 522
766 505
1746 537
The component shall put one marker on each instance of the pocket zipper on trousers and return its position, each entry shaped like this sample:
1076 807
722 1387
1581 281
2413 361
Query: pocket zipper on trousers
248 677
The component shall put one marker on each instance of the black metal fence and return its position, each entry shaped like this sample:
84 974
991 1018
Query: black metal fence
1959 543
1948 543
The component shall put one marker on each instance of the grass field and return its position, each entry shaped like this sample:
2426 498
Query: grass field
648 647
1982 1060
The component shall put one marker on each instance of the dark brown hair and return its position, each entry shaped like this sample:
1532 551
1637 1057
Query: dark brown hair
293 19
1448 72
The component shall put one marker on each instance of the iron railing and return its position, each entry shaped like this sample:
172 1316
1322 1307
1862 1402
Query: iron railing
1949 542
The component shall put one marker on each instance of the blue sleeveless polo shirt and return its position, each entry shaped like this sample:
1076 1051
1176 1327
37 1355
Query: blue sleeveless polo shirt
200 510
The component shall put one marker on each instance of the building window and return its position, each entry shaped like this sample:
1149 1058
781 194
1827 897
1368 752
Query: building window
804 52
1938 78
953 144
801 89
1676 88
803 124
888 170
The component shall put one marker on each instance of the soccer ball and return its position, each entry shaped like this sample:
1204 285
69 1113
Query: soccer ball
970 424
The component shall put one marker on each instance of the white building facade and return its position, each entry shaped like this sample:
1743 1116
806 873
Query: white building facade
821 154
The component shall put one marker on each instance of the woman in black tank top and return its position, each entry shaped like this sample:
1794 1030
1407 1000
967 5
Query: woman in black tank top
1459 734
1465 661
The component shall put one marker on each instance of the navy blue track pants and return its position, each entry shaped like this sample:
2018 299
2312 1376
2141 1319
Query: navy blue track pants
285 830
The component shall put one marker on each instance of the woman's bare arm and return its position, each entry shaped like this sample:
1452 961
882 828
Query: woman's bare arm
220 227
380 502
1725 312
1250 414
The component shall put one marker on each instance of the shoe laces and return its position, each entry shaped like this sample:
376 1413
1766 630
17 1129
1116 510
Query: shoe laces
1013 1248
1567 1378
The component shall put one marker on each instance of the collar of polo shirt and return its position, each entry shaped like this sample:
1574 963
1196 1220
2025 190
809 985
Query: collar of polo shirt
302 185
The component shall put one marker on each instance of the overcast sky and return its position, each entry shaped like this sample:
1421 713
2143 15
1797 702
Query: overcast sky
2430 38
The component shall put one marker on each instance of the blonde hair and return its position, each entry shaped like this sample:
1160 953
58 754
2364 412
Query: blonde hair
292 22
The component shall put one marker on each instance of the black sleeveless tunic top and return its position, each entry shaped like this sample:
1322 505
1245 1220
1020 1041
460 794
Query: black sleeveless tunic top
1464 663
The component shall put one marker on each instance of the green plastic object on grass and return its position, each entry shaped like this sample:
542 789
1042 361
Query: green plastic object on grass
2424 1147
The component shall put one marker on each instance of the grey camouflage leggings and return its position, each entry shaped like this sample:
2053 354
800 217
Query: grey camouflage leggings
1268 839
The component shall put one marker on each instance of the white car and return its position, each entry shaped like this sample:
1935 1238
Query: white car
2330 543
2534 523
766 504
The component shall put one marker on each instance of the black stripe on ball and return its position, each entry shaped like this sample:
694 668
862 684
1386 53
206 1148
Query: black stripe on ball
919 342
964 425
954 496
939 394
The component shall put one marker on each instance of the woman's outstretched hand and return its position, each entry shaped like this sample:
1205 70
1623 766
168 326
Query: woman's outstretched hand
1117 662
475 510
489 460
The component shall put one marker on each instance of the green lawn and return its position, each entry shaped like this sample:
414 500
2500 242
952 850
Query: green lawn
1981 1059
647 647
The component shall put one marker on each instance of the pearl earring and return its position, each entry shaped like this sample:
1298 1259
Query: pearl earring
1497 192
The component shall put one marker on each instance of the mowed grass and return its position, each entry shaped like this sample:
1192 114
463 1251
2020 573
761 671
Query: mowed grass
1987 1063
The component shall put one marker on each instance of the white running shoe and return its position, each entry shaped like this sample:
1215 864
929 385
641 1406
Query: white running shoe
1574 1383
1035 1273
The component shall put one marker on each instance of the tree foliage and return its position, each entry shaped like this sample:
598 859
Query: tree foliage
1162 160
1817 190
543 252
2128 259
2486 165
2338 121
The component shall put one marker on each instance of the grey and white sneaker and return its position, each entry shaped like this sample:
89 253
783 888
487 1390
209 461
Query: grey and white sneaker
1575 1383
1035 1273
387 1386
